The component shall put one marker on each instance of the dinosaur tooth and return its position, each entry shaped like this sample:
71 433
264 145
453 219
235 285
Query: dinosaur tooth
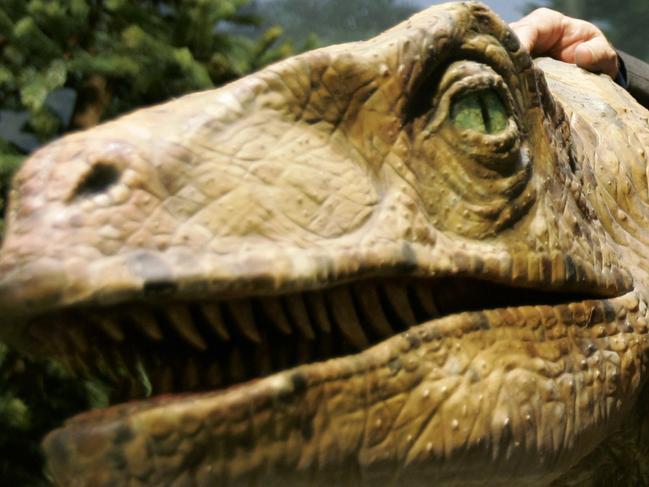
104 366
79 365
520 262
545 264
299 315
370 306
67 363
143 377
165 380
318 308
274 311
264 360
99 362
191 379
110 327
237 367
57 343
426 299
344 313
214 317
121 363
326 346
181 320
77 337
106 363
558 268
282 356
39 334
214 377
146 323
304 351
241 312
398 299
137 389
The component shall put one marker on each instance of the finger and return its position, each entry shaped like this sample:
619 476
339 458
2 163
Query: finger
539 31
597 55
526 34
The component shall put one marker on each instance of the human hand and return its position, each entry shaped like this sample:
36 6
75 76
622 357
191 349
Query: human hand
545 32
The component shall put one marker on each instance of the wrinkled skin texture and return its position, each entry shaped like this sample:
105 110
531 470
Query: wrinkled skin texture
314 182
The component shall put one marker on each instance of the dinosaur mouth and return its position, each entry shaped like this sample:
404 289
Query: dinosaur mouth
159 347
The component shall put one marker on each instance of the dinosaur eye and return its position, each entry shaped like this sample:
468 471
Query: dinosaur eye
482 111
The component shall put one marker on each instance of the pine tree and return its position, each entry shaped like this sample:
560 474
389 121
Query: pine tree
69 64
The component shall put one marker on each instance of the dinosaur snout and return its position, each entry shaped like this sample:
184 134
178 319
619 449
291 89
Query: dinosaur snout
25 289
27 285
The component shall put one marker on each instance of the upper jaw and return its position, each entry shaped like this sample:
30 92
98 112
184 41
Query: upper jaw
57 323
32 288
46 285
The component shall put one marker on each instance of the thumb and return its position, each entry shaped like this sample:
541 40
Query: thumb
526 34
597 55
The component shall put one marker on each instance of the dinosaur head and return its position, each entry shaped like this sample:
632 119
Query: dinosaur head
386 260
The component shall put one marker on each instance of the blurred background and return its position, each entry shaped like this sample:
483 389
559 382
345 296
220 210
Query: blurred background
343 20
340 20
69 64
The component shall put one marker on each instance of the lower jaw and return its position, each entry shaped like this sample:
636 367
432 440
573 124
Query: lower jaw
527 388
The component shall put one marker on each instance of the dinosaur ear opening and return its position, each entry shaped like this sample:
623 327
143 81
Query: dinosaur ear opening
101 177
482 111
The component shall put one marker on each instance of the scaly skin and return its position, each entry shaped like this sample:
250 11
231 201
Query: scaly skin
313 183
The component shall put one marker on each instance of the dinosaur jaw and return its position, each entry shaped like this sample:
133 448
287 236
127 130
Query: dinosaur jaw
479 385
171 345
384 361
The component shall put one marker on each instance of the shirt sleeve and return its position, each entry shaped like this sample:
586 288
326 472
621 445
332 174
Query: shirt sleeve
634 76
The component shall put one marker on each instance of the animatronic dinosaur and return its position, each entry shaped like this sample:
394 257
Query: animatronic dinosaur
407 261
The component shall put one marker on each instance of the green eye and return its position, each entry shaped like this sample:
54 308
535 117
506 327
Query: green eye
481 111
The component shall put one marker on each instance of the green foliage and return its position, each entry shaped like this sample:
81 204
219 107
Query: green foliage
69 64
35 395
10 159
624 21
116 55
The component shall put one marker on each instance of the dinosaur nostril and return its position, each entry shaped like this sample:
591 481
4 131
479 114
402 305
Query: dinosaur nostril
101 177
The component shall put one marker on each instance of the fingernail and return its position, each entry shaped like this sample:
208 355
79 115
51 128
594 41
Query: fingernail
583 56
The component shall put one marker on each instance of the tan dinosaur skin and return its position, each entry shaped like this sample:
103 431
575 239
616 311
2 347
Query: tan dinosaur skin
309 212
